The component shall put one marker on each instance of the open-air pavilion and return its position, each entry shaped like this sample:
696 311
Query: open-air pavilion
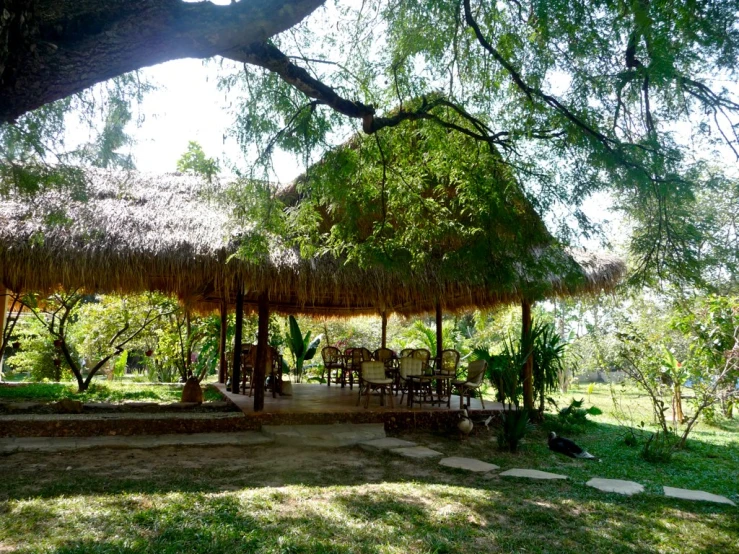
173 233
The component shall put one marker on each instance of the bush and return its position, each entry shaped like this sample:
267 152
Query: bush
575 414
659 447
37 355
515 426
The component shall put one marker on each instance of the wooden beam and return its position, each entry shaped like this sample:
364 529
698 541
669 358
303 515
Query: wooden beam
262 357
384 329
236 371
528 369
222 362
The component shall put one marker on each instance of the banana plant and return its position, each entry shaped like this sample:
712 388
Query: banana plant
302 348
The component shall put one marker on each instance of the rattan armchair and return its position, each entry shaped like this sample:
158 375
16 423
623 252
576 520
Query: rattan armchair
332 359
409 367
449 362
424 355
358 355
372 377
471 385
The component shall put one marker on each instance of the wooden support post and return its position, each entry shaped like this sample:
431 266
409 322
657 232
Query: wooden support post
439 335
528 369
262 357
384 329
439 346
188 344
4 293
236 371
222 362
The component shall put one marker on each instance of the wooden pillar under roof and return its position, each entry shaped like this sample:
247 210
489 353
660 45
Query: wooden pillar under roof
384 328
528 368
236 367
4 292
222 362
262 355
439 337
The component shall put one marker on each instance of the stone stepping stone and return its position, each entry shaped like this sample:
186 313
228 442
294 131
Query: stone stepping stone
388 443
687 494
531 474
416 452
616 485
470 464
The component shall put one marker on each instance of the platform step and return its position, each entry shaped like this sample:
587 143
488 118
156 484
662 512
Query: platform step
328 436
123 424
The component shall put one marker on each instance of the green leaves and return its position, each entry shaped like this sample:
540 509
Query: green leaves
302 348
195 162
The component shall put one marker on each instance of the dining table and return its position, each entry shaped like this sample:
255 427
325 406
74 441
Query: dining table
435 388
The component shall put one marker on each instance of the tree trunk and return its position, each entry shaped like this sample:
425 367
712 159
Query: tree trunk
55 48
528 370
81 383
678 403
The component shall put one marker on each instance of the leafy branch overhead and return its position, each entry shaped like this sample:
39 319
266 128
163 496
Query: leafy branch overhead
635 98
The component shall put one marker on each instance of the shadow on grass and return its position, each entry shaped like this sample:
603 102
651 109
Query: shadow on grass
281 499
388 517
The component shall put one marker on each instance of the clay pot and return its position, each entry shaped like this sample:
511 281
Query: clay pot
16 345
149 353
192 392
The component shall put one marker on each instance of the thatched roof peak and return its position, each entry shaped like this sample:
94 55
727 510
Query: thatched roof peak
172 232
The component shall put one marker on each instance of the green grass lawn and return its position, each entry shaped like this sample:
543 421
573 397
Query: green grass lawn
110 391
271 499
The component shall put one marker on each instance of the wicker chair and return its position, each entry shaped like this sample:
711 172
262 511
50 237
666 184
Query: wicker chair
274 371
470 386
372 377
424 355
408 368
384 355
406 353
449 362
248 361
387 357
332 359
359 355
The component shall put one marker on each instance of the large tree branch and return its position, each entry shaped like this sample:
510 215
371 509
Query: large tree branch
59 48
273 59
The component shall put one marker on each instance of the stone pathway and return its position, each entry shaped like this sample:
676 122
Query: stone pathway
532 474
616 485
687 494
416 452
387 443
470 464
59 444
368 436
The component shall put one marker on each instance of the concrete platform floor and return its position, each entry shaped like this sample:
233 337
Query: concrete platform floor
313 398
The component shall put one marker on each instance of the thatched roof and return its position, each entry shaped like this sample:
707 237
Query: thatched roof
137 232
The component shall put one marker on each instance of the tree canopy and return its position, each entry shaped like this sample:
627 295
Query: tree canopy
637 98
